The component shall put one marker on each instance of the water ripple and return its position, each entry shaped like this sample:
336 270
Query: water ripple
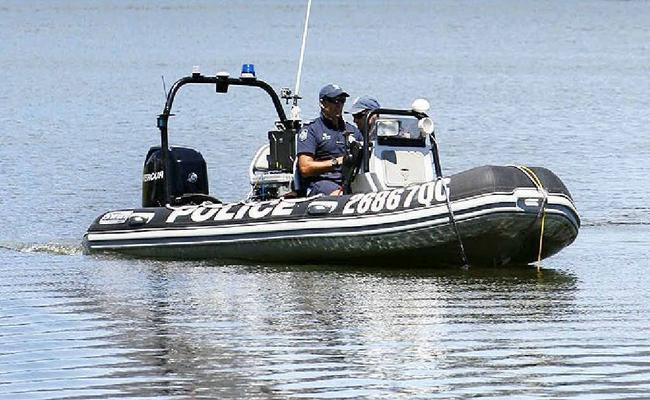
557 84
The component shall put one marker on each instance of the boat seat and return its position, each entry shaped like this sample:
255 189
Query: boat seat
261 160
265 181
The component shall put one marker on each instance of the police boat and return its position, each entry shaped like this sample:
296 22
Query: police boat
397 209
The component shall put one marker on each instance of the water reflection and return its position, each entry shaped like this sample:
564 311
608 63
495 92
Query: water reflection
78 326
255 331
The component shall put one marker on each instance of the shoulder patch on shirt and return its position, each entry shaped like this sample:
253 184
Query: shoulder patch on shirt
302 136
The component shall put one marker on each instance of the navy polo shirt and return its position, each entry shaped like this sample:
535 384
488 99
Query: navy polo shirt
324 142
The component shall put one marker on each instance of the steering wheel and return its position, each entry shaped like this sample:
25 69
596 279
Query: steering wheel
351 165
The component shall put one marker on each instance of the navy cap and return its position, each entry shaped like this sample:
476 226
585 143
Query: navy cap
332 91
363 103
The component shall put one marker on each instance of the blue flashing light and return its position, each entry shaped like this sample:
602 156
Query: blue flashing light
248 71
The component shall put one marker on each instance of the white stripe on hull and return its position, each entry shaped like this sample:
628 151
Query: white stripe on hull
347 226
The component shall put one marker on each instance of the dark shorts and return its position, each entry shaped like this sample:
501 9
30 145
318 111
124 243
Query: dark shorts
322 187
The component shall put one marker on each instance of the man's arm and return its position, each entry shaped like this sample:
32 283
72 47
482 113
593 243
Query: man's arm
310 167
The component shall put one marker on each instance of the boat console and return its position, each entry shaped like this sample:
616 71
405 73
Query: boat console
399 153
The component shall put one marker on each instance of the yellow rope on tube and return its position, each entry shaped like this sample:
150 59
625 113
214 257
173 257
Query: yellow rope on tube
538 183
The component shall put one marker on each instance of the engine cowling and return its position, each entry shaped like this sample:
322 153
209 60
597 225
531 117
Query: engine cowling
188 176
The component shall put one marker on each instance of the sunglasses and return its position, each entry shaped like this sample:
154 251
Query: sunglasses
336 100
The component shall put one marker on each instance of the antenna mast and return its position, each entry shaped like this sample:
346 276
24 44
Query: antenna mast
295 110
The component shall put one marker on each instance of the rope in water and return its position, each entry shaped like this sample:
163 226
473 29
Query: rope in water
538 184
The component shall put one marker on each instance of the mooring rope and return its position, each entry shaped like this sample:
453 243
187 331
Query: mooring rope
542 211
463 255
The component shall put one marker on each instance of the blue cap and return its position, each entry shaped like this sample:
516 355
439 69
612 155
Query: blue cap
363 103
332 91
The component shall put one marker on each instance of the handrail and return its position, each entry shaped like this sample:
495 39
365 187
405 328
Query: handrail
222 83
195 78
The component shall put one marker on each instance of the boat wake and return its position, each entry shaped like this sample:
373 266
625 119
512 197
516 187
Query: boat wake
616 223
68 249
631 216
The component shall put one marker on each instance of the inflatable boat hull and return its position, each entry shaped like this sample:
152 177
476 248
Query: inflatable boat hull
498 211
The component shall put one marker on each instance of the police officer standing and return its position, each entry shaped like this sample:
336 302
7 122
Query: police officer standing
321 144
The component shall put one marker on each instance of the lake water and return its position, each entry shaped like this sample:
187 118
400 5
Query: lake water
565 85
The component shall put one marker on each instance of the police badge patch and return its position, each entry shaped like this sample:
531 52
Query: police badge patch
302 136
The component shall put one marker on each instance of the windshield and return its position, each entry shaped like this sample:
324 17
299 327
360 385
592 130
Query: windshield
405 128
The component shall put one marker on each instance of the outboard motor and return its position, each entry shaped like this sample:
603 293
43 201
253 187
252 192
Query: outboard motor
188 176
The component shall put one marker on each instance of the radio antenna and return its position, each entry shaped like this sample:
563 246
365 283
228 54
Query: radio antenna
164 87
295 110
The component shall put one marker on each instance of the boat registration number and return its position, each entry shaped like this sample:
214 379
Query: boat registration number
425 195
